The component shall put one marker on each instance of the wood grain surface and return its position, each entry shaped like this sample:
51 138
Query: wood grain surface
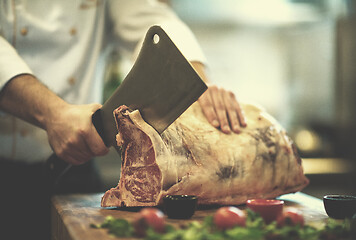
71 215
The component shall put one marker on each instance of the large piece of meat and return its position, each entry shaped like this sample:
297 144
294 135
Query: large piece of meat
192 157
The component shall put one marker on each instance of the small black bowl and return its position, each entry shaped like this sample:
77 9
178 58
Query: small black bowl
180 206
340 206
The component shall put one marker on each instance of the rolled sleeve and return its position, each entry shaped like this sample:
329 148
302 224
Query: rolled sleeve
11 63
132 19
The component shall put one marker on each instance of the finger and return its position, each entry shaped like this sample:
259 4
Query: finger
93 140
240 113
241 116
231 112
220 109
207 107
82 157
76 151
95 144
79 156
74 158
95 106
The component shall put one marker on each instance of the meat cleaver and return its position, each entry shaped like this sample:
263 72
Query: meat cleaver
162 84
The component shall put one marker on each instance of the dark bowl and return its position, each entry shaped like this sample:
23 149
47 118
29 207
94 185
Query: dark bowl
340 206
180 206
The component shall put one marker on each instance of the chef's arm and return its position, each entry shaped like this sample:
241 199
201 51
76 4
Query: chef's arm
220 106
70 131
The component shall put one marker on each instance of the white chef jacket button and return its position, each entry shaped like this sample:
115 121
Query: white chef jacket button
24 132
24 31
71 81
73 31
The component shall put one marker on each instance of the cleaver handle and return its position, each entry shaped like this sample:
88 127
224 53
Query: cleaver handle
54 169
99 126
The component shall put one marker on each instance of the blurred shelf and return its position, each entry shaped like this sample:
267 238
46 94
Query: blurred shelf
328 166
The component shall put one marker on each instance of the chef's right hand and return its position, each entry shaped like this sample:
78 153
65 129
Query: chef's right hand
70 130
72 134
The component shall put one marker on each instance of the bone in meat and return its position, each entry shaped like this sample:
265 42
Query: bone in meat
192 157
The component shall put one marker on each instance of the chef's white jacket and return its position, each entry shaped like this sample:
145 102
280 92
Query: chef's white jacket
60 42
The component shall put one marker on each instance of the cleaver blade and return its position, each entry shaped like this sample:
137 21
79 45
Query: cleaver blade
162 84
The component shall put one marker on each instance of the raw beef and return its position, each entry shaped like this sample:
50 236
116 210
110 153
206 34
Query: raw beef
192 157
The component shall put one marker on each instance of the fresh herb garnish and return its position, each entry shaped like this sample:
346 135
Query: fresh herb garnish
116 226
255 229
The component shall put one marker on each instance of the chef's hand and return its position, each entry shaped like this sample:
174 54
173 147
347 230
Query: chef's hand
70 130
73 136
220 106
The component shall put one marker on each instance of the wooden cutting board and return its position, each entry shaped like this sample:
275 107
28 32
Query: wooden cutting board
71 215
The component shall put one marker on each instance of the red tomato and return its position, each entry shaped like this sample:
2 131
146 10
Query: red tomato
151 217
229 217
290 217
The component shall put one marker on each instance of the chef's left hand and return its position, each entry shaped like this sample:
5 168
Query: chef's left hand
220 106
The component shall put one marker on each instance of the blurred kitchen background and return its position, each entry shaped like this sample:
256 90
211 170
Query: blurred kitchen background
295 58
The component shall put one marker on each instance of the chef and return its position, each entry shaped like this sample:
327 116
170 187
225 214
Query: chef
50 85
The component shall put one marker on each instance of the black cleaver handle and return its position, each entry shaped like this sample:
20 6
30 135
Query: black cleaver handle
54 169
99 125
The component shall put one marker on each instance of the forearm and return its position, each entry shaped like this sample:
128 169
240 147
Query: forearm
27 98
